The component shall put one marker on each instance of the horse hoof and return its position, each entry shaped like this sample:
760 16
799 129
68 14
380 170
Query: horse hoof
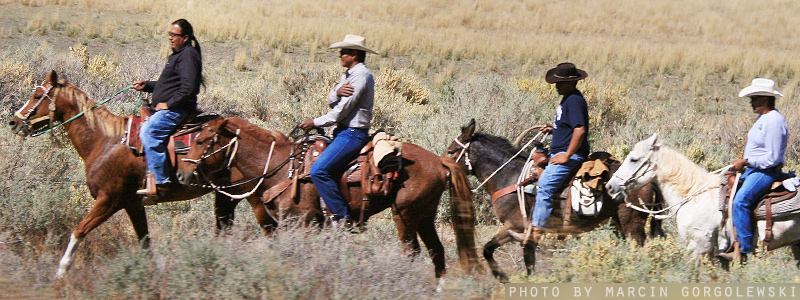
502 277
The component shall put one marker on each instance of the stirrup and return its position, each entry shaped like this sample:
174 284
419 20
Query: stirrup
149 186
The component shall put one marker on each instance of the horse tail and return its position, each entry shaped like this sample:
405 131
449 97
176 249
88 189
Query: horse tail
463 215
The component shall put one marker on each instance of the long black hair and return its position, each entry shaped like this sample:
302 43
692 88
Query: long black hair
188 30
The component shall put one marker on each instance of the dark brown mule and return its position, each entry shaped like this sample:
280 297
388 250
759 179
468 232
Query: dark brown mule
413 202
113 172
485 154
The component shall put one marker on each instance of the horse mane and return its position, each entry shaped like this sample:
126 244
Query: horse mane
258 132
683 174
99 118
500 146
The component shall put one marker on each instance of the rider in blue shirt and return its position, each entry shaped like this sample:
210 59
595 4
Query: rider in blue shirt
570 145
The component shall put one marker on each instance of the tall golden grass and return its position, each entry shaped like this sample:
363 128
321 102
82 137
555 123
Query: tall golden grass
625 39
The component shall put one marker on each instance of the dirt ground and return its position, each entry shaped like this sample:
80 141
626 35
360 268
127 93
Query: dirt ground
9 289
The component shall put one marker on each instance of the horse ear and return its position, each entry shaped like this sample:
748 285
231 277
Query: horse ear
52 78
655 142
468 130
218 124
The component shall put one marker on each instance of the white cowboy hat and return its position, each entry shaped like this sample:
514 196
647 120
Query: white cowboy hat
352 41
760 87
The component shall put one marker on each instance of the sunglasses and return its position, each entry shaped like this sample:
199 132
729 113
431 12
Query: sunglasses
173 35
348 52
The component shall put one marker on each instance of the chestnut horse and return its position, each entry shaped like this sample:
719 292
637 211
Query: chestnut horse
483 154
264 154
113 172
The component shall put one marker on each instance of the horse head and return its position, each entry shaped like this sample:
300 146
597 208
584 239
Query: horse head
638 169
38 113
459 148
210 152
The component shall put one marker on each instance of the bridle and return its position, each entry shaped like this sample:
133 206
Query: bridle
464 153
645 165
52 107
231 148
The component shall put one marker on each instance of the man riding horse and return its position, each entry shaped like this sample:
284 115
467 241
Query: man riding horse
174 99
569 147
351 103
763 157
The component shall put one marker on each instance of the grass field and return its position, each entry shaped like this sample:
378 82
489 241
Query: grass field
672 67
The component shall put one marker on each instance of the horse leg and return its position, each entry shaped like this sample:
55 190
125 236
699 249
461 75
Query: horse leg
529 256
264 218
427 233
138 218
498 240
406 231
224 208
102 210
796 253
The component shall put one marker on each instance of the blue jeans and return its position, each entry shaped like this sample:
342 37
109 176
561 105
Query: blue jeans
155 136
346 144
552 178
756 184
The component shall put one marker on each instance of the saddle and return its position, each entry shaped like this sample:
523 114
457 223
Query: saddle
375 169
179 142
778 203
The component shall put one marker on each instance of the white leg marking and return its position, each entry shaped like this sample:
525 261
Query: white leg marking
66 260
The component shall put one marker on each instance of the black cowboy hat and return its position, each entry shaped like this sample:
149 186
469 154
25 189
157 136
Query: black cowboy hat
564 72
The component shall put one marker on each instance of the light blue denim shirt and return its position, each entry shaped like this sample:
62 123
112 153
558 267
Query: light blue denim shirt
354 111
766 141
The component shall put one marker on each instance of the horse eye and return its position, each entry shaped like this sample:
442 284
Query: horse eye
634 159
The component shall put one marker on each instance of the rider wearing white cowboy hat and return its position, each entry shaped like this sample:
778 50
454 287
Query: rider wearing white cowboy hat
763 157
351 103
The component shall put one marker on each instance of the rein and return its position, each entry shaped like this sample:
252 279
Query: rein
233 148
469 164
657 214
52 108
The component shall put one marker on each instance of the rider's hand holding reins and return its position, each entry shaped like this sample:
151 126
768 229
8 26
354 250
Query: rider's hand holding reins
306 125
138 85
546 128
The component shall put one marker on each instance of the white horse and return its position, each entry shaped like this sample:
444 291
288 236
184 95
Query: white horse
692 193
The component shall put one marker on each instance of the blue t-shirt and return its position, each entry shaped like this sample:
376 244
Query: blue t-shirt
571 113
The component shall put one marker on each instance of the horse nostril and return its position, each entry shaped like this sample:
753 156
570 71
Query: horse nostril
12 123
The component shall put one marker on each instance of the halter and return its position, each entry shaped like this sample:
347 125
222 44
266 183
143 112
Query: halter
657 214
464 153
233 147
643 162
52 107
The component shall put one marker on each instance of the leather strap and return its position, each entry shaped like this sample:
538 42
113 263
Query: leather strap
275 190
768 229
509 189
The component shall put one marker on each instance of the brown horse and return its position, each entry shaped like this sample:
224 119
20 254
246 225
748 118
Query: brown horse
264 154
113 172
483 154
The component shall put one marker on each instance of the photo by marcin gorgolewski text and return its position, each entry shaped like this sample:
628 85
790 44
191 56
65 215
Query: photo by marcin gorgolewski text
598 291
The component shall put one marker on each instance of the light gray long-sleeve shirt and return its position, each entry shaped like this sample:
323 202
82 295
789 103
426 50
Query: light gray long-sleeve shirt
766 141
354 111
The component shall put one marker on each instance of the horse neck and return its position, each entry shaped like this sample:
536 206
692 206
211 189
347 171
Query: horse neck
255 145
678 177
487 157
96 126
